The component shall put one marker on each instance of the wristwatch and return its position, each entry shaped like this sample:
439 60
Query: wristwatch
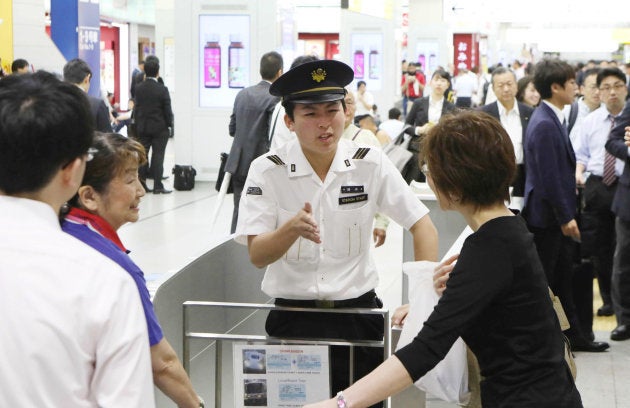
341 401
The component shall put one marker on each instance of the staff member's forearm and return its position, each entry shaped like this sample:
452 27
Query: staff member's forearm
170 377
425 240
267 248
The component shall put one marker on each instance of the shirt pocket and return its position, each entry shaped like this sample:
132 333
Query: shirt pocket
348 233
302 250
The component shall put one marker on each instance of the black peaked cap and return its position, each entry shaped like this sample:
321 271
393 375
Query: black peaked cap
314 82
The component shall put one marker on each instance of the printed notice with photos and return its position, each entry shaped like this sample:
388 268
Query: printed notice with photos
280 375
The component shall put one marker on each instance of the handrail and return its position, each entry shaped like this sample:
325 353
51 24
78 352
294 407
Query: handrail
220 337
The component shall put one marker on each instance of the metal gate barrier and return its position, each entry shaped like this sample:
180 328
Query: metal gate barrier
220 338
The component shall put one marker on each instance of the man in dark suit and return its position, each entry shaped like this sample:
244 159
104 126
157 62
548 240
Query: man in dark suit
514 117
137 76
249 125
618 145
78 72
550 200
154 123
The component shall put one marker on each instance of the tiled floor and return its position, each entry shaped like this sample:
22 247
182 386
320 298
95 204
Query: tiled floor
174 229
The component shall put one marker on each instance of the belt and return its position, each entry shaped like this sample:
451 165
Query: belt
365 300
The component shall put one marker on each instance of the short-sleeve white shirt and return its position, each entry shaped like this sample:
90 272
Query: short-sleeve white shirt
361 181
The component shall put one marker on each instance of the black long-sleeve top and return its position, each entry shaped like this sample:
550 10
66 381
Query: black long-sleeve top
497 300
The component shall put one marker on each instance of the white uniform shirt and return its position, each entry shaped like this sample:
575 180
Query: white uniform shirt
72 329
280 134
360 182
435 109
511 122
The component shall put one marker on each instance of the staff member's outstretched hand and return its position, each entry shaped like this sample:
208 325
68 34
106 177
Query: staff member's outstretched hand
304 224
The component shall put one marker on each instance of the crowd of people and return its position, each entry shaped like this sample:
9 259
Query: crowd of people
534 157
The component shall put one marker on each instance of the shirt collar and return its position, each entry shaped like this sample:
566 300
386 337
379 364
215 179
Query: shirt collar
299 165
95 223
503 111
555 110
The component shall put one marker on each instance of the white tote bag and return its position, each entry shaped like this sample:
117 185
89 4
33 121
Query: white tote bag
448 380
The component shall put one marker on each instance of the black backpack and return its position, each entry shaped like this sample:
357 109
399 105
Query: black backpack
184 177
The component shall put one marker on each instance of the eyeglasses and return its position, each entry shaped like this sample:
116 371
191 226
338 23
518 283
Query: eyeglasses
90 154
617 87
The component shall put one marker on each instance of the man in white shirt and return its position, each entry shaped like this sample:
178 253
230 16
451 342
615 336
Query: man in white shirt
307 217
364 101
587 103
598 220
393 126
72 329
514 117
465 85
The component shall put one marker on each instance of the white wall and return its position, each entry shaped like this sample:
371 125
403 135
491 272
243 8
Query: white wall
30 40
201 134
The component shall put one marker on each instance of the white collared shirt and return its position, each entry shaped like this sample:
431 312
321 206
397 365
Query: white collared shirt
72 329
559 113
511 122
435 109
341 267
591 142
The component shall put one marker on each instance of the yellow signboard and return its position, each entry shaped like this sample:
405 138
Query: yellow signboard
6 34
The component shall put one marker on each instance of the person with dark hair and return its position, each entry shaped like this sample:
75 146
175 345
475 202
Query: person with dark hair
307 218
618 145
598 220
496 298
364 101
393 125
71 324
137 76
412 85
514 117
78 72
588 102
250 125
107 199
526 92
153 117
20 66
425 113
550 201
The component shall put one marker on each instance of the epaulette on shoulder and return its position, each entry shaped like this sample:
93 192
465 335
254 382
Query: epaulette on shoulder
276 159
361 153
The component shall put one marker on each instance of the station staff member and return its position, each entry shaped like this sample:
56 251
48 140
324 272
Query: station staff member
307 216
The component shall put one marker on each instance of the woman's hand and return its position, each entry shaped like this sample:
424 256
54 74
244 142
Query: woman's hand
442 273
399 316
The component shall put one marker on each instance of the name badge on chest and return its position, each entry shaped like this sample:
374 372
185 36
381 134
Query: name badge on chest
352 189
353 199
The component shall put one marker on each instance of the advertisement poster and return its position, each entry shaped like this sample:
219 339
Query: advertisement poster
283 376
427 55
367 60
224 65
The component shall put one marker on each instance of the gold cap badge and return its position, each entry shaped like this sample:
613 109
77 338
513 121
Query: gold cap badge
318 75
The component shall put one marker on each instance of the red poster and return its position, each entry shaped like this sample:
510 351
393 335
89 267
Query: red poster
466 48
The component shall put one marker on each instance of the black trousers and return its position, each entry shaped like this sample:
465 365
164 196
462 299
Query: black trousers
156 142
621 273
335 326
598 232
556 255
